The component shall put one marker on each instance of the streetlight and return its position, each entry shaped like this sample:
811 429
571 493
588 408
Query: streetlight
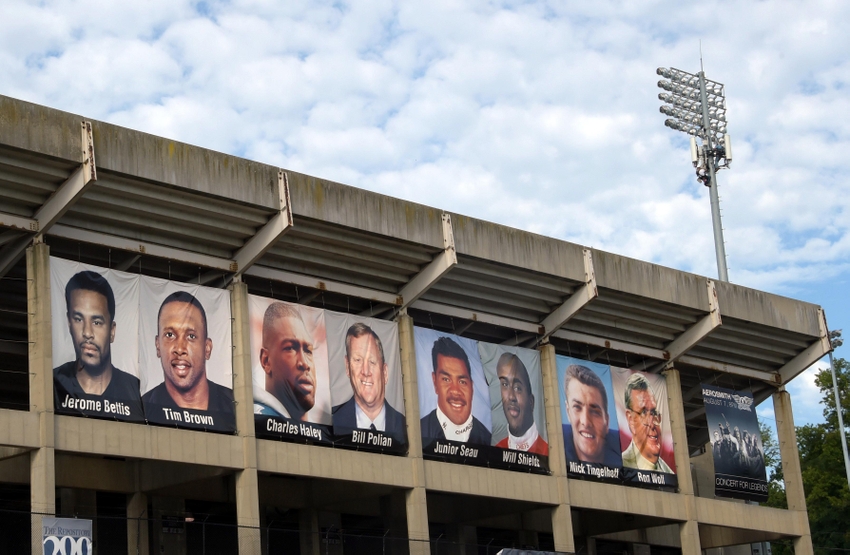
697 106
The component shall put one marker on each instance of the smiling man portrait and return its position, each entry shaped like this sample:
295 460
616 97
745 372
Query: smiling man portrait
452 380
368 373
518 405
644 418
587 436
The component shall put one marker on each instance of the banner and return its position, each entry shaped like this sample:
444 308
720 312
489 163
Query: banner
589 415
736 446
66 535
326 378
646 438
134 348
616 425
480 404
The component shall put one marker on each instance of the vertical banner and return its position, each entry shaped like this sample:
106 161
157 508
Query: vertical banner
289 361
736 446
66 535
454 400
365 383
480 404
589 415
95 342
646 438
517 409
185 352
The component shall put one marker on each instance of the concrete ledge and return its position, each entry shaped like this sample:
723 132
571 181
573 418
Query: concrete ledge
338 464
629 500
487 482
716 512
767 309
364 210
119 439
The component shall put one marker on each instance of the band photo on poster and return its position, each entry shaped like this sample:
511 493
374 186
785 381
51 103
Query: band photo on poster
736 446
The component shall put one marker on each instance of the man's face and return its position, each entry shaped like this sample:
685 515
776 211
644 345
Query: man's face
588 419
182 345
287 359
367 372
92 330
517 400
453 386
645 424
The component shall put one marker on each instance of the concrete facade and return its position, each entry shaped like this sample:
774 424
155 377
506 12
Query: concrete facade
358 251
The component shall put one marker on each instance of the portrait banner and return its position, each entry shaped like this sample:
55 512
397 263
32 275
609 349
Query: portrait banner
736 446
95 330
519 436
66 535
366 384
454 400
589 415
646 438
289 361
186 356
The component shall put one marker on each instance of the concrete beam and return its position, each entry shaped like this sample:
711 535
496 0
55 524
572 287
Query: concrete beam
18 222
576 302
483 317
274 229
131 245
436 269
324 285
810 355
771 378
696 333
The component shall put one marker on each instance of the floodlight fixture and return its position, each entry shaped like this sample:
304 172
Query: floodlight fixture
697 106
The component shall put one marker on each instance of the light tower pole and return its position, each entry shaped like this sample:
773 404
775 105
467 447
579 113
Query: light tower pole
697 106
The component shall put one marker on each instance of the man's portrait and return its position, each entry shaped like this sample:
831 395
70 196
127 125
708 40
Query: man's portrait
587 434
90 384
518 405
183 347
644 420
368 373
451 378
289 371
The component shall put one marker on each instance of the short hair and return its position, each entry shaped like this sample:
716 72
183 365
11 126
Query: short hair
510 359
636 383
183 297
90 281
589 378
275 312
447 347
359 330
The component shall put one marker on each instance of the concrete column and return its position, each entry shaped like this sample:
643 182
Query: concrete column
562 522
40 351
790 456
308 526
689 529
247 494
416 503
137 524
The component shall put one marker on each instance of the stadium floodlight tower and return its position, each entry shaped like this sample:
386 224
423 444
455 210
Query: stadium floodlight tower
697 106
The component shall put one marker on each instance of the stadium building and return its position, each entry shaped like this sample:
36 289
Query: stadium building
155 216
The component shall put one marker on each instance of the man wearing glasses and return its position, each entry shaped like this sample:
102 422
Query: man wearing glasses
644 452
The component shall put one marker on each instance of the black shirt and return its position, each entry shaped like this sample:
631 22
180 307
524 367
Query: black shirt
120 400
160 408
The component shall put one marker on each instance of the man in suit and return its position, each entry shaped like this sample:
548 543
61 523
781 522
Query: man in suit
452 378
644 418
368 373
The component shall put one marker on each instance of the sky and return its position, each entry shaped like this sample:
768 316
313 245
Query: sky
537 115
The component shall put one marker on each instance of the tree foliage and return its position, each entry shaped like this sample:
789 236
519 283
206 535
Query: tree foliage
822 464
